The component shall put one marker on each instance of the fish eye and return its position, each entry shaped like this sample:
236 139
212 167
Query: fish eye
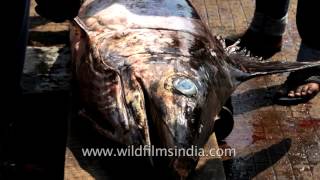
185 86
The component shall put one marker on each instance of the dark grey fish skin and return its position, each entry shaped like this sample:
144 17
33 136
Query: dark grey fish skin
150 72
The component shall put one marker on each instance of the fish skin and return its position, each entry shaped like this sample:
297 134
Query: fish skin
130 42
126 56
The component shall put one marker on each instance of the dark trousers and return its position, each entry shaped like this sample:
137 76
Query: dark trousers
11 68
307 17
19 43
33 128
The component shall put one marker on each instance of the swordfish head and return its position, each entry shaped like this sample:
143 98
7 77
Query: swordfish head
167 99
156 80
183 95
150 81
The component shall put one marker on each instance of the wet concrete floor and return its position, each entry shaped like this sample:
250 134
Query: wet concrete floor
271 141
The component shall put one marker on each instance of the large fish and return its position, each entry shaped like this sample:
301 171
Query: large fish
150 72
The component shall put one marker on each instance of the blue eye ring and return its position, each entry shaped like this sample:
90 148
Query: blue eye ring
185 86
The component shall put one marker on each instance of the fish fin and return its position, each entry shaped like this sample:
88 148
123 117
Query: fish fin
245 67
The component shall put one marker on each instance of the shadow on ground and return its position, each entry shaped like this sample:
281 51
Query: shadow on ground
254 99
239 168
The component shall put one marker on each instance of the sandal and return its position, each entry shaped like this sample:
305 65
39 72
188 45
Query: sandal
293 81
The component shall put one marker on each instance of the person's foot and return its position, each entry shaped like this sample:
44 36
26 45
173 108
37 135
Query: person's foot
309 89
257 43
293 93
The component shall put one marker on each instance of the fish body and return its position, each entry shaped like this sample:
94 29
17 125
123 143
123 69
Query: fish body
149 72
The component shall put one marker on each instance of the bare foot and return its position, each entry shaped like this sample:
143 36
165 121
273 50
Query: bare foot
304 90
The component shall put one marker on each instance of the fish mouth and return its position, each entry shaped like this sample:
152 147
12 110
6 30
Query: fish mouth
179 167
162 136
